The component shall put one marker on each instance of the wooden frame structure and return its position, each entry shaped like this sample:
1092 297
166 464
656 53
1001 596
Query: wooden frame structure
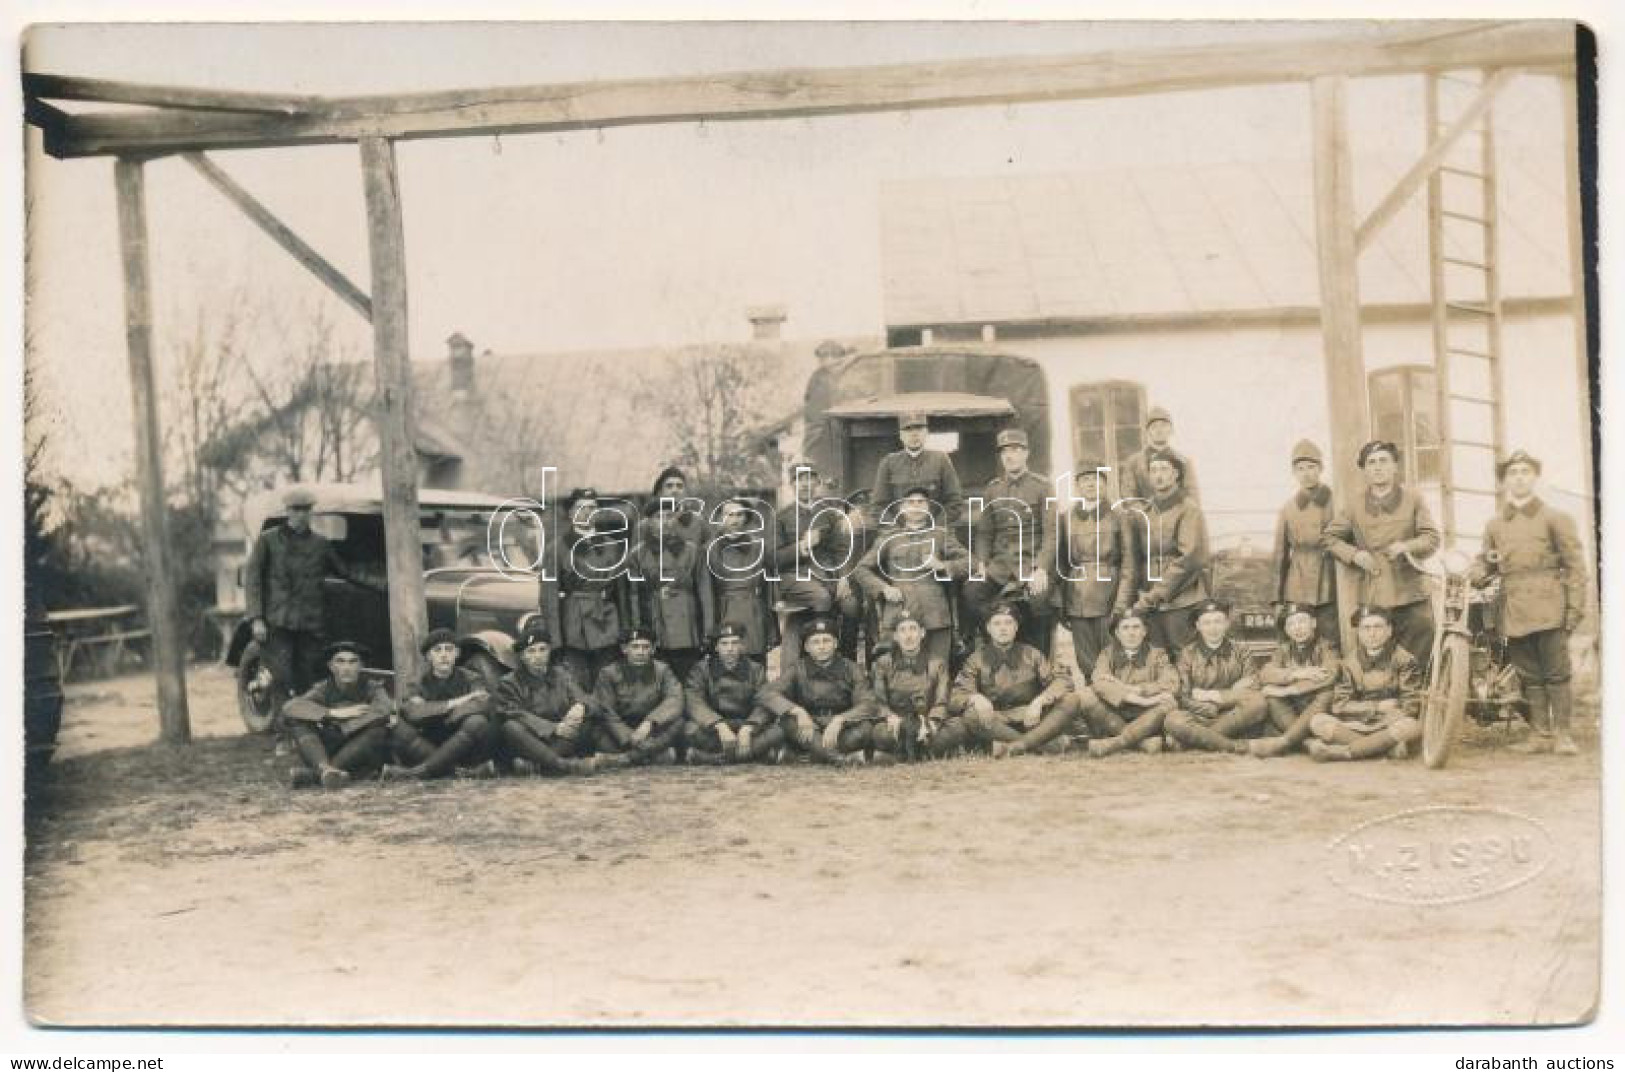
192 122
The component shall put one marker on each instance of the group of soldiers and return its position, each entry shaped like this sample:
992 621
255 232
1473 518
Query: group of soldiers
897 641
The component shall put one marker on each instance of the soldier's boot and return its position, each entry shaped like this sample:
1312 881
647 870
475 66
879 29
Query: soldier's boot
1321 752
701 757
365 751
807 738
761 745
1146 726
532 757
411 748
310 748
1560 698
459 746
1540 722
1391 740
1330 730
949 738
1056 721
1191 733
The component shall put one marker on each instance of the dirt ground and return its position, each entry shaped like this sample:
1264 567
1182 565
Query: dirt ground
185 886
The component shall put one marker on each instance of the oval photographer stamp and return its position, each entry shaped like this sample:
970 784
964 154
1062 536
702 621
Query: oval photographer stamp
1439 855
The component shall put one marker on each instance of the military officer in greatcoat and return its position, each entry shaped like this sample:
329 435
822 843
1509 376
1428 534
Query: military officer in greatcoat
916 467
1170 555
1094 567
639 702
910 568
1011 539
1535 552
340 726
444 723
1219 702
823 700
1374 532
1135 482
1008 694
590 606
670 594
1305 572
726 719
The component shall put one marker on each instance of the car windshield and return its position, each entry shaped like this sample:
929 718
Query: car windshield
481 539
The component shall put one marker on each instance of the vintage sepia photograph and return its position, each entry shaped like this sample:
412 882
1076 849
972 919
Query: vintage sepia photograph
918 526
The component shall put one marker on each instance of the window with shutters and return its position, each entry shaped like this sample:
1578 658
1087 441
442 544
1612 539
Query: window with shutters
1108 422
1405 411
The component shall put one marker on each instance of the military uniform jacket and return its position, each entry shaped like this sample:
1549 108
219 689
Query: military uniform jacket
1536 552
426 702
1011 677
1136 481
728 694
1147 669
1094 566
911 685
790 527
282 581
1171 550
540 703
1304 571
899 471
1223 668
835 688
684 525
897 559
734 568
1364 681
591 599
1288 657
319 702
1013 529
671 595
635 694
1370 524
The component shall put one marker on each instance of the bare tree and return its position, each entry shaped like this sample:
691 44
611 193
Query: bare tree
713 396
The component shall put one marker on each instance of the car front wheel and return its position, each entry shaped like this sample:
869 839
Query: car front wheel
257 691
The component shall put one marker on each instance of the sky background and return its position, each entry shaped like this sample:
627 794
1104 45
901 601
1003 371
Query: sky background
657 235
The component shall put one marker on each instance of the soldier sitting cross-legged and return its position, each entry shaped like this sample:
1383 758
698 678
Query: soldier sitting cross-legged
546 719
1376 698
1009 696
911 688
1297 680
822 699
727 722
1135 688
445 722
640 703
1219 701
341 725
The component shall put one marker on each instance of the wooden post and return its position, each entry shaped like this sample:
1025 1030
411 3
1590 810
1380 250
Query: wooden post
1568 89
1339 309
169 664
386 240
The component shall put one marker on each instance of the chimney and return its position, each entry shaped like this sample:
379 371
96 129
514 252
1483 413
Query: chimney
766 322
460 356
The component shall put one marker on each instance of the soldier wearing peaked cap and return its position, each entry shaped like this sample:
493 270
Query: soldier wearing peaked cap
340 726
726 719
1304 570
1135 480
1535 551
822 700
915 466
444 723
1011 537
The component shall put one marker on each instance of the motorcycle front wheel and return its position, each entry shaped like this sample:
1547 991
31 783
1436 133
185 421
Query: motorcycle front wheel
1446 700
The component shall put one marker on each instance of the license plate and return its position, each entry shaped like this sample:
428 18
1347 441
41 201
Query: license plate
1257 621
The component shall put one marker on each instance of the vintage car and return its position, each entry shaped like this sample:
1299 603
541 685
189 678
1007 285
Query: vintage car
484 601
1239 573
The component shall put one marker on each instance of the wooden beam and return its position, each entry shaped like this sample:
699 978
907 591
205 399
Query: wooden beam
1339 310
187 98
780 94
403 551
1578 255
281 233
1432 157
163 618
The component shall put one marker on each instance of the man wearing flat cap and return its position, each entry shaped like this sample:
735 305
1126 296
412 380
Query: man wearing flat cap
726 720
444 723
340 726
1135 480
1010 543
282 592
823 700
1305 572
546 719
1535 552
1374 533
640 703
915 466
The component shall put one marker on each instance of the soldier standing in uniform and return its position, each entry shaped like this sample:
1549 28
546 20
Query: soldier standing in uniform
1535 551
1376 699
669 511
1170 557
546 719
1297 680
727 722
671 595
1134 689
916 467
849 598
592 596
822 699
810 544
1159 435
1374 532
909 568
444 724
282 591
911 690
735 568
1219 701
1094 568
640 703
1010 543
341 725
1305 573
1007 693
